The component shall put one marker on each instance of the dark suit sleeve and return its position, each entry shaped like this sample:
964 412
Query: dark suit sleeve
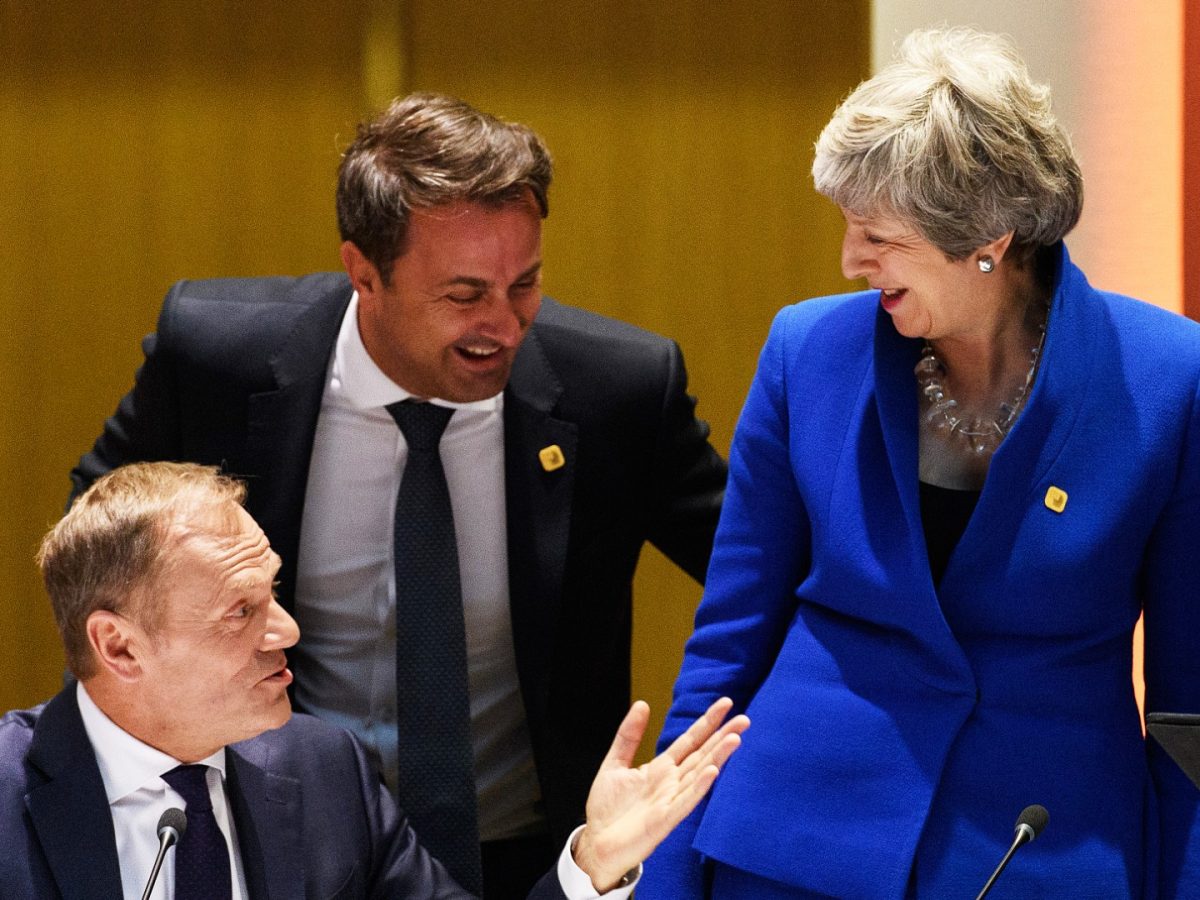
400 866
377 838
548 888
690 477
145 425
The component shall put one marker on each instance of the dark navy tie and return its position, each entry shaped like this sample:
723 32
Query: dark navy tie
202 869
436 784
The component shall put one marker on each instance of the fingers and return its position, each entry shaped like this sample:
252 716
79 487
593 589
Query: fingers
631 810
693 787
699 732
695 775
730 740
718 748
629 736
692 794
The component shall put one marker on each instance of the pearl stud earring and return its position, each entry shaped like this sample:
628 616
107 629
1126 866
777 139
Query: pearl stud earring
986 264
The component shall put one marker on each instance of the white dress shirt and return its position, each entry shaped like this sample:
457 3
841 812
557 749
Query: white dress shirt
137 796
345 604
576 884
132 774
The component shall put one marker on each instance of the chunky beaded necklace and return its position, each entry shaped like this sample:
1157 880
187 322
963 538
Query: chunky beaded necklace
944 417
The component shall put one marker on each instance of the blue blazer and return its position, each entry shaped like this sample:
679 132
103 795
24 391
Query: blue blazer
899 729
312 819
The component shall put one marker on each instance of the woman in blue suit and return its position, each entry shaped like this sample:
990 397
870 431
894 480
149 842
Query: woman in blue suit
950 498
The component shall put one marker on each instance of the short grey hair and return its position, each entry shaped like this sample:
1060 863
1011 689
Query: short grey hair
956 139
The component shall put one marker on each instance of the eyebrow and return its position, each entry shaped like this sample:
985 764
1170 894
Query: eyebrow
890 230
484 284
247 584
862 221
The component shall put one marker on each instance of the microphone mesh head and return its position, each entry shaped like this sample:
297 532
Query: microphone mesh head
172 818
1035 817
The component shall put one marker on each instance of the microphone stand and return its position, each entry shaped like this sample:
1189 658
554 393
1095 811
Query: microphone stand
1000 868
171 826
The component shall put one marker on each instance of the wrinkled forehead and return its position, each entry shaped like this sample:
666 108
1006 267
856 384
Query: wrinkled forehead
225 541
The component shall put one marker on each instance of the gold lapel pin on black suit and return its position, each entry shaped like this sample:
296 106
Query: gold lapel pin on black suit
552 457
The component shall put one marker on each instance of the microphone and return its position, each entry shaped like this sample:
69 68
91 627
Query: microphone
1029 825
171 826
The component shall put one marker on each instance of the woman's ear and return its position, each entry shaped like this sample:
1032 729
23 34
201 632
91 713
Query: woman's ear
992 253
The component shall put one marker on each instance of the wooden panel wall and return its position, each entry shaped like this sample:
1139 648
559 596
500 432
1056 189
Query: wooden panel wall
146 142
142 142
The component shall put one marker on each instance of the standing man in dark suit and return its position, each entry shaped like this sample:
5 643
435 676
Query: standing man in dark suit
162 589
571 442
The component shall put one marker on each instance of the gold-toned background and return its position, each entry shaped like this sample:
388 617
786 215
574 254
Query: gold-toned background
142 142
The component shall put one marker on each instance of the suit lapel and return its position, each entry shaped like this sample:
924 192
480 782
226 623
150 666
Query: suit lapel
895 395
1036 440
538 500
70 810
269 814
904 556
1021 462
281 426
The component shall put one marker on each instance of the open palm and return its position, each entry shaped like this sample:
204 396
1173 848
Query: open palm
631 810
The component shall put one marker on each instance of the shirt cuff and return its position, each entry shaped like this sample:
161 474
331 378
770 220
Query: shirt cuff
578 886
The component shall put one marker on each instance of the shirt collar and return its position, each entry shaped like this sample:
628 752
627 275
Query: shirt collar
127 764
361 383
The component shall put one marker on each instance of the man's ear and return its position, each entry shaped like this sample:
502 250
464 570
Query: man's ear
364 277
116 643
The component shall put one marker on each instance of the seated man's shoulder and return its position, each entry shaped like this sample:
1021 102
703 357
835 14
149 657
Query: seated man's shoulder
20 719
16 737
16 729
306 744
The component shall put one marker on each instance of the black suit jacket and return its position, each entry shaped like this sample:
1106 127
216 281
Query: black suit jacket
313 819
235 375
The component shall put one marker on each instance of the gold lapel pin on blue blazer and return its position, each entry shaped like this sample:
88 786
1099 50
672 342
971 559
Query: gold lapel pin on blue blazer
1056 499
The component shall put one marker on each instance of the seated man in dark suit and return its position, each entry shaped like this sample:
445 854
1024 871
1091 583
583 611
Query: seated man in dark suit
162 587
569 441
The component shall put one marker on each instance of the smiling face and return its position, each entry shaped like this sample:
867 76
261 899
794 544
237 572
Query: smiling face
214 672
927 295
460 299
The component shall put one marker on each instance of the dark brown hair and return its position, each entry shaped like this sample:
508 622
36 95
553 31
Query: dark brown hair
426 150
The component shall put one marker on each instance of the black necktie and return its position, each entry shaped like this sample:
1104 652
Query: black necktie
202 869
436 783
